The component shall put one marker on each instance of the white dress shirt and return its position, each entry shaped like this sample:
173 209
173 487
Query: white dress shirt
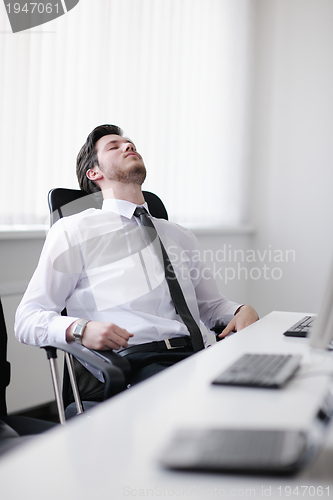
100 265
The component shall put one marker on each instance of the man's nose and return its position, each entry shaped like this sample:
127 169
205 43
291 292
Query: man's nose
129 146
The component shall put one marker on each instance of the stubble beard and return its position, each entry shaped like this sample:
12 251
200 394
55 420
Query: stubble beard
134 174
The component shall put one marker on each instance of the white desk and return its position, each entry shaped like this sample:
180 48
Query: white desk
111 453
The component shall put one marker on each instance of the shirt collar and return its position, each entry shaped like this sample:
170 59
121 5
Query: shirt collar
121 207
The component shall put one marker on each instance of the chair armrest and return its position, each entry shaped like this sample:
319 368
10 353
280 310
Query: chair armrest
114 367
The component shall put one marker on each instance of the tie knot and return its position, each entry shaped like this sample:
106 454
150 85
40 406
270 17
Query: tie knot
140 211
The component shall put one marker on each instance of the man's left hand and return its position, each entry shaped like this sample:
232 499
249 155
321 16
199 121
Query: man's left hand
244 317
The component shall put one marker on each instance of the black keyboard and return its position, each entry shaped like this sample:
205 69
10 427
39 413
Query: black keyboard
260 370
301 328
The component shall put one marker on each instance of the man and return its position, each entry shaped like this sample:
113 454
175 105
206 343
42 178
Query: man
108 270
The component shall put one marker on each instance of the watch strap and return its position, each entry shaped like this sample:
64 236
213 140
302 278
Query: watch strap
79 329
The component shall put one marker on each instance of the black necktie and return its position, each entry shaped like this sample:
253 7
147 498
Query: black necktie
174 286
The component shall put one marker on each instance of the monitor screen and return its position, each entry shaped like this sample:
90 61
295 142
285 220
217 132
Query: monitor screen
322 333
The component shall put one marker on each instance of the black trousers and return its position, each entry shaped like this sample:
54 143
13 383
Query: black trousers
146 364
143 366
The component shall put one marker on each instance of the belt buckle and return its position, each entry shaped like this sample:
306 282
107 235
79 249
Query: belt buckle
169 346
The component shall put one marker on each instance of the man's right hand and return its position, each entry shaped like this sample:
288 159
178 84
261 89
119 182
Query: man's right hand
100 335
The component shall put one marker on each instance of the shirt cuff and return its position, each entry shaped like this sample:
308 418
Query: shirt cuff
57 328
237 309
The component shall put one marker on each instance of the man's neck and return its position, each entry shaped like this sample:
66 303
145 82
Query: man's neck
127 192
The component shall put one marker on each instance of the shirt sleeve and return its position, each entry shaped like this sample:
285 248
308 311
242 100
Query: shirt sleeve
38 317
213 305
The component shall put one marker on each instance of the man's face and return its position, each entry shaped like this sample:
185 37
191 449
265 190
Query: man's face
119 161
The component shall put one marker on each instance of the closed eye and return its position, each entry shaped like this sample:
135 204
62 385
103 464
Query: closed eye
111 145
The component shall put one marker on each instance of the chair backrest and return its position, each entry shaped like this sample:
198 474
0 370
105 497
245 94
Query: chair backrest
4 364
64 202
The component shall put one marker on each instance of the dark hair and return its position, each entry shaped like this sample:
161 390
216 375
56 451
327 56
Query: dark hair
87 157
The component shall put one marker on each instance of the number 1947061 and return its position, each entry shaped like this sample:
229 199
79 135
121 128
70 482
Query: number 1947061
304 491
33 8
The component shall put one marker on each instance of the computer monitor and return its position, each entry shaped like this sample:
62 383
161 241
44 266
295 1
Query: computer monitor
322 333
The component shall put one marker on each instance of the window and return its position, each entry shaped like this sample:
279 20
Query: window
172 73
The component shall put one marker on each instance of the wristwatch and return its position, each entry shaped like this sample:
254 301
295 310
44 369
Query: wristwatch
79 329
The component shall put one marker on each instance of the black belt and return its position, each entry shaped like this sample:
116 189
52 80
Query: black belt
158 346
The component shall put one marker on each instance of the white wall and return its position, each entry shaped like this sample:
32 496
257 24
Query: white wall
292 148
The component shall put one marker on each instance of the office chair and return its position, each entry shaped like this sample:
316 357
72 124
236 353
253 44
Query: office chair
14 429
62 203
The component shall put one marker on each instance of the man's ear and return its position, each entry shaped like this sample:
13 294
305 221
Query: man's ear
94 174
